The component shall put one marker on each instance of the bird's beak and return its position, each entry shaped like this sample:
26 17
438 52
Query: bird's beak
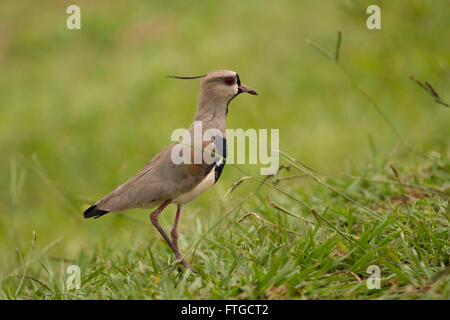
244 88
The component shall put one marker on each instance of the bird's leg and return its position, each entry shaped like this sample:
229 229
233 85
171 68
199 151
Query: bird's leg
174 232
154 218
174 235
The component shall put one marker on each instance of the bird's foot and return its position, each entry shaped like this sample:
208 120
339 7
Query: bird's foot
188 266
184 263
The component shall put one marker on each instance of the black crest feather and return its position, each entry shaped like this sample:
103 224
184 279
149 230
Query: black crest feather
186 78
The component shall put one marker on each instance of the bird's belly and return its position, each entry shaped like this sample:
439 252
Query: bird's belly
206 183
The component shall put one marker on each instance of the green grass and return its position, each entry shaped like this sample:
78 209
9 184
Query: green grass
268 246
82 111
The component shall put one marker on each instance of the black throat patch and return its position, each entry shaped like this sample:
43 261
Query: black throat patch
220 149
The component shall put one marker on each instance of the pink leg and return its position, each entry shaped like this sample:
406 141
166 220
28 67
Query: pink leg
154 218
174 232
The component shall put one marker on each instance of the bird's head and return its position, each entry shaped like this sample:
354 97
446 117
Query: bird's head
219 87
223 86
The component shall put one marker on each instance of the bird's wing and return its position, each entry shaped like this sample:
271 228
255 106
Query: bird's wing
158 181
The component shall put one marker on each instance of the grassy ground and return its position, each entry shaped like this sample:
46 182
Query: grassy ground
81 111
278 242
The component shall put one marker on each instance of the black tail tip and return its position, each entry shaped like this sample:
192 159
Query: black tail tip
93 211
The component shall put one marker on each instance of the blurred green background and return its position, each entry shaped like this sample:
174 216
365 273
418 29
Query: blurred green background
83 110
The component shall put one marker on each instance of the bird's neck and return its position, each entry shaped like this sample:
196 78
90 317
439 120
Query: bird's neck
212 113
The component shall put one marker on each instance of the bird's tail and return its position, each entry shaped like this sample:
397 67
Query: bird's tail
95 212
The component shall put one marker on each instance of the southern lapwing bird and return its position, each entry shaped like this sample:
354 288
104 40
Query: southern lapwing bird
163 181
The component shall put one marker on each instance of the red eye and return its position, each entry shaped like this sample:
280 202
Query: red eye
229 81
